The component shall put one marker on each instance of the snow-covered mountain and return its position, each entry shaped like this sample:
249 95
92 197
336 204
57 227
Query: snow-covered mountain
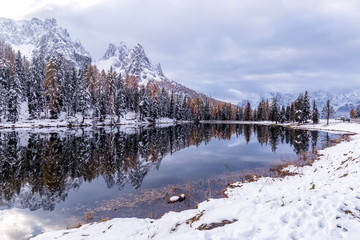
135 62
342 103
36 37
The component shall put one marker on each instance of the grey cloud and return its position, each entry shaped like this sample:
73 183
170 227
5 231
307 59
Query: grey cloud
212 46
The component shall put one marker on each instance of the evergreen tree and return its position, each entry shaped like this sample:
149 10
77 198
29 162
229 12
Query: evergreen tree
358 111
207 113
282 118
306 112
171 109
83 96
288 113
14 93
315 113
239 114
120 102
164 103
260 111
327 111
144 103
4 81
274 110
299 107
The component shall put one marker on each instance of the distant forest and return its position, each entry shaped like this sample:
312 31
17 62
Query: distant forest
51 88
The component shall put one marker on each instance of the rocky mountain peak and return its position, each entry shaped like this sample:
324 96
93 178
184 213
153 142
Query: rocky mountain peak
34 37
110 52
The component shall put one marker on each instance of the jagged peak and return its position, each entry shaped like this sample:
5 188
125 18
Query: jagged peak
122 45
159 70
110 52
50 21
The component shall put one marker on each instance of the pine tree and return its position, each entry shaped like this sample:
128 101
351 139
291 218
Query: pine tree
144 103
315 113
14 93
328 111
110 84
4 81
282 118
274 110
120 102
207 113
164 103
299 106
358 111
83 96
288 113
171 109
260 111
239 114
306 112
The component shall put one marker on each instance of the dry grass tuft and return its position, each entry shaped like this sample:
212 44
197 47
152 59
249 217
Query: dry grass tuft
210 226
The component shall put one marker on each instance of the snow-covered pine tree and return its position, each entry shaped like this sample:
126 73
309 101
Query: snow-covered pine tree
288 113
102 98
259 116
274 110
186 109
299 106
315 113
21 76
144 103
207 112
4 81
83 97
14 93
68 91
282 118
181 108
239 114
164 103
120 104
306 108
52 89
110 92
171 107
35 86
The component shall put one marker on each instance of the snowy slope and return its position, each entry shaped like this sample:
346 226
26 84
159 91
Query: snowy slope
36 37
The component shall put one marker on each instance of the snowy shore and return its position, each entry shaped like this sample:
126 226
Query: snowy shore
321 202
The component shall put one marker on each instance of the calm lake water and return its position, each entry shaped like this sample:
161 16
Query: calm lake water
53 179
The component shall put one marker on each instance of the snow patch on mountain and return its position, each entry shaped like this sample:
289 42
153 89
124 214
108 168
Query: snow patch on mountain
43 38
135 62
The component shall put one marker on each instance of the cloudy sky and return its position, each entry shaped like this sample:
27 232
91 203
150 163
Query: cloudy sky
231 49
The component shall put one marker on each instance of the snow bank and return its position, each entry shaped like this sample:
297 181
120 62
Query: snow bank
321 202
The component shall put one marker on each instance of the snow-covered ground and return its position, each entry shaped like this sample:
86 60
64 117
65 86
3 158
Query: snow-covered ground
321 202
130 118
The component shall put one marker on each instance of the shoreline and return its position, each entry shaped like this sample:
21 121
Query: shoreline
319 202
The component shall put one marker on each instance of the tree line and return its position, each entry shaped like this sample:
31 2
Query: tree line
51 90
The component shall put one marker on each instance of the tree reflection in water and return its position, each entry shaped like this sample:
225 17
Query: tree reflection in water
37 170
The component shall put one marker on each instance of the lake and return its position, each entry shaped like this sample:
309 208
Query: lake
57 178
